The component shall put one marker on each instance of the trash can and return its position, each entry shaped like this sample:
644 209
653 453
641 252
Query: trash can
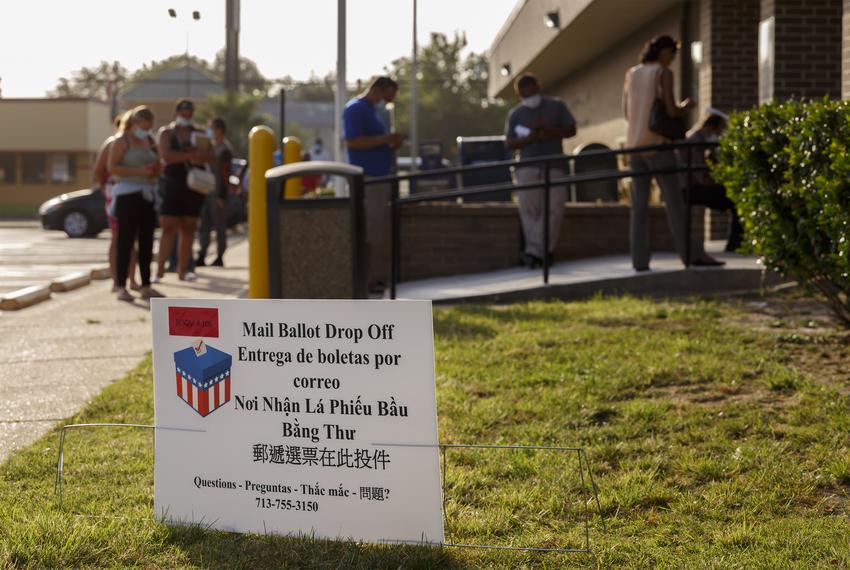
484 150
316 245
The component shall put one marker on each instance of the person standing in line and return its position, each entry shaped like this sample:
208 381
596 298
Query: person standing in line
536 127
134 165
181 206
214 214
705 190
103 180
371 146
651 79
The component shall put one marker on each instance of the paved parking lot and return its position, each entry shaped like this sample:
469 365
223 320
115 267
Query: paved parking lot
30 255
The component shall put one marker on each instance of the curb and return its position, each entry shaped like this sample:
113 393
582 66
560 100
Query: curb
25 297
70 281
100 272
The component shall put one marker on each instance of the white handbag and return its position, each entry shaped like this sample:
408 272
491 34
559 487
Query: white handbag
200 180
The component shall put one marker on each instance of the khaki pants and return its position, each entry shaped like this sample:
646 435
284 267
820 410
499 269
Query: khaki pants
531 208
376 206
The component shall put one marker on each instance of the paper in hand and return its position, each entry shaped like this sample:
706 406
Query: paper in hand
522 131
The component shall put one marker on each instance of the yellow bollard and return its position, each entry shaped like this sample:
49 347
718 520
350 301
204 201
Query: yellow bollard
260 149
292 153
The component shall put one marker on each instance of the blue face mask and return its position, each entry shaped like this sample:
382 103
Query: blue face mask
211 134
140 133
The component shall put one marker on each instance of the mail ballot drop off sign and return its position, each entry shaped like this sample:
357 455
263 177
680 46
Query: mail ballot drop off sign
297 417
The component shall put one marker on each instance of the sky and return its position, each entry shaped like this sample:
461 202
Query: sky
43 40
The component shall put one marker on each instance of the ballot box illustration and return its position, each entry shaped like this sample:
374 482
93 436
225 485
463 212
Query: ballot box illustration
203 377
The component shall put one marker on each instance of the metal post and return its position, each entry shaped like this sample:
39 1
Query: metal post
340 189
231 49
690 179
395 243
282 121
547 177
414 100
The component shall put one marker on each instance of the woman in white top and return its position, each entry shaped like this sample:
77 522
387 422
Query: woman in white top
651 79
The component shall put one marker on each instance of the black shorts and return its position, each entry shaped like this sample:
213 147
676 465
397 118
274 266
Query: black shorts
178 200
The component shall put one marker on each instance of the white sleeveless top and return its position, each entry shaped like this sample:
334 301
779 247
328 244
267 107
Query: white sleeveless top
641 89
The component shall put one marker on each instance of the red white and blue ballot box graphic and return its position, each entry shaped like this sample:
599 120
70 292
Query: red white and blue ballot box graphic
202 374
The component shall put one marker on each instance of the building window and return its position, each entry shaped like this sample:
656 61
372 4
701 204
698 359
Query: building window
63 168
8 167
34 168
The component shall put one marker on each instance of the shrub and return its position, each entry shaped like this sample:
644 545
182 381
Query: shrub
787 166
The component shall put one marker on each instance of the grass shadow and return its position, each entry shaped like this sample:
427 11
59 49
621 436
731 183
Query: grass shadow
215 549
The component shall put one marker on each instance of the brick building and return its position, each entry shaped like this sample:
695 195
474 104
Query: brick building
735 53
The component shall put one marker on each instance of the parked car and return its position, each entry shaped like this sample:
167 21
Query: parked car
78 214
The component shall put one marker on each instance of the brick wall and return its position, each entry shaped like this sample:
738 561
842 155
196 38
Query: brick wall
845 52
453 239
808 47
729 72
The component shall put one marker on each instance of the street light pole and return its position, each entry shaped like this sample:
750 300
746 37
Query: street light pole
341 92
414 111
196 15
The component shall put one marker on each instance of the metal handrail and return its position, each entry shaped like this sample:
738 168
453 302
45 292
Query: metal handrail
546 184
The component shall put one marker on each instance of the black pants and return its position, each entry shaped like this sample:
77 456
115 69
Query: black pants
714 196
213 217
136 221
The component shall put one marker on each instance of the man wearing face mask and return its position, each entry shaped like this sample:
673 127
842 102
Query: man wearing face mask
371 146
536 128
213 214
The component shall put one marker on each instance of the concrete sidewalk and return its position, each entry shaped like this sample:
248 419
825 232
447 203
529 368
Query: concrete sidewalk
57 355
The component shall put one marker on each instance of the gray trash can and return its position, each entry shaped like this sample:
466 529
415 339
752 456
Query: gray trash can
316 245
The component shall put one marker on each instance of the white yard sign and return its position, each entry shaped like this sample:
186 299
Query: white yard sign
297 417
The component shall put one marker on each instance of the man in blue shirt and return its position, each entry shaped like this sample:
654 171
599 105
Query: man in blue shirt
371 146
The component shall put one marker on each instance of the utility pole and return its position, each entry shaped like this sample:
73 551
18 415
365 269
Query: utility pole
341 92
414 111
231 49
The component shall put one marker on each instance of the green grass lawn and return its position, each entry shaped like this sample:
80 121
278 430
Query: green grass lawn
718 433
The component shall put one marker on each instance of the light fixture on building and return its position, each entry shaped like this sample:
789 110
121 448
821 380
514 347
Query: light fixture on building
696 52
552 20
505 70
196 15
172 12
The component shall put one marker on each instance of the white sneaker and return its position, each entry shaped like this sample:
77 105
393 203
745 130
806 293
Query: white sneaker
156 279
189 276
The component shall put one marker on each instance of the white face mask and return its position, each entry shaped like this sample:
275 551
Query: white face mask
184 122
532 102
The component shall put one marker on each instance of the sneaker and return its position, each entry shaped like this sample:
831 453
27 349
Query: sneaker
219 262
156 279
150 293
200 262
124 295
189 276
135 286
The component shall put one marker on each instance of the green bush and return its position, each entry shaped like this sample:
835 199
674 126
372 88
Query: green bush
787 167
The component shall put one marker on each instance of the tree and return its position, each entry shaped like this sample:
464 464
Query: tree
239 113
94 82
452 93
251 81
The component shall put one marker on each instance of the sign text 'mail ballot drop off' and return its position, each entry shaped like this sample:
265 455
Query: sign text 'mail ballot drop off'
297 417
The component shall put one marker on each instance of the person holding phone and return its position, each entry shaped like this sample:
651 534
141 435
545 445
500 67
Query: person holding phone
134 165
652 79
371 146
